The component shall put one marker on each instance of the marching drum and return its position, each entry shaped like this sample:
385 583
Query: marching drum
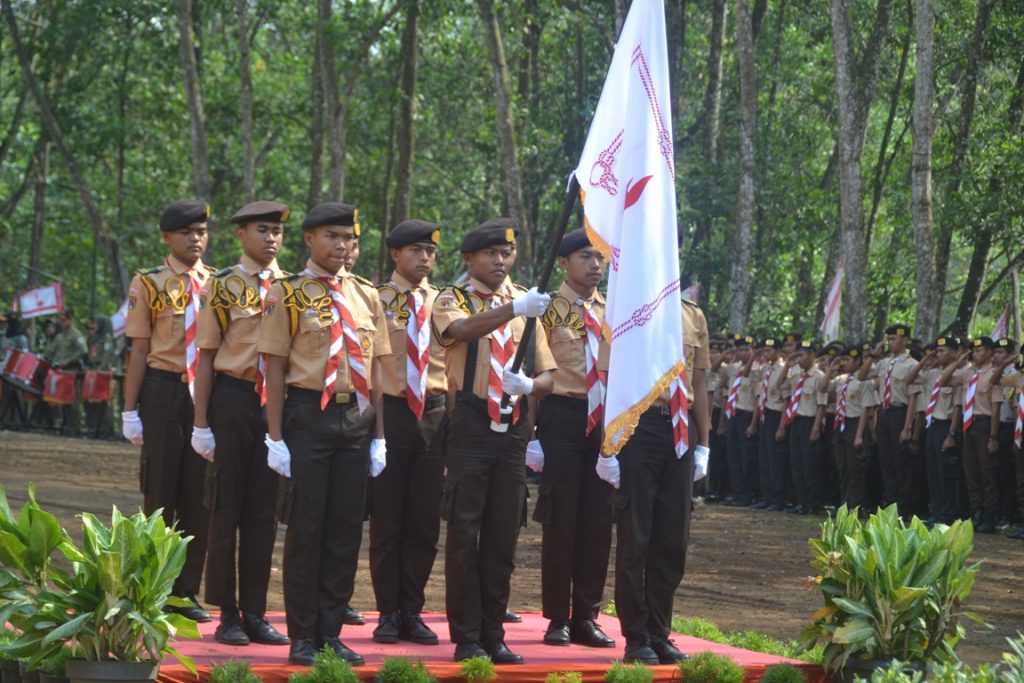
25 370
96 386
60 387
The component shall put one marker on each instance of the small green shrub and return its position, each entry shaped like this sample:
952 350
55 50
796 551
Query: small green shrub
783 673
564 677
632 673
54 666
327 667
609 609
699 628
233 671
402 670
707 667
479 670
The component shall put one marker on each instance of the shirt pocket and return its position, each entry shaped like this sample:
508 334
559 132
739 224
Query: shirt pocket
315 334
244 325
170 325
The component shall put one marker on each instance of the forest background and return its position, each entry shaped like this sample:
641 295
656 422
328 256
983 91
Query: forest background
884 132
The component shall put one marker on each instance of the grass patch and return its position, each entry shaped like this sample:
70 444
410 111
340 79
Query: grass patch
748 640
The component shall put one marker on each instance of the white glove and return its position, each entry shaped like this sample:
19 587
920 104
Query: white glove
700 462
378 456
131 426
516 383
203 442
531 304
279 458
535 456
608 469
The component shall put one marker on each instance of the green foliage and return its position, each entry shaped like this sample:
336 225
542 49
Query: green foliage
564 677
707 667
609 609
327 667
783 673
233 671
7 637
698 628
478 670
748 640
629 673
891 590
1012 665
54 665
402 670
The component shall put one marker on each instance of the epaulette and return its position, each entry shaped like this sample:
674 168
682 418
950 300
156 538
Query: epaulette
150 271
363 280
210 269
288 278
515 285
691 303
223 271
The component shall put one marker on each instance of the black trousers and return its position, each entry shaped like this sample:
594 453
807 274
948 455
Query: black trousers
323 504
891 456
853 463
736 447
718 461
573 511
484 503
1007 473
773 460
404 524
806 462
171 474
652 521
981 468
944 472
240 490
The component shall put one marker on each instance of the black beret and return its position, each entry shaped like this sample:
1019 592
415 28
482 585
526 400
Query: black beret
490 233
413 231
275 212
853 351
1008 344
832 349
983 342
951 342
866 347
807 345
929 348
898 330
915 351
770 343
741 340
573 241
184 213
332 213
793 337
717 340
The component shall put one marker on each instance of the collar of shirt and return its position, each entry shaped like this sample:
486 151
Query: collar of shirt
572 295
180 268
250 267
404 285
483 290
317 271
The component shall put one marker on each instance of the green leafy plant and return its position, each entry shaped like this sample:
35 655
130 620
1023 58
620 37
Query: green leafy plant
707 667
402 670
54 665
478 670
233 671
783 673
748 640
327 667
631 673
891 590
564 677
1012 666
699 628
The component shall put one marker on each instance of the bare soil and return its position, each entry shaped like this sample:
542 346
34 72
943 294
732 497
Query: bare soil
745 570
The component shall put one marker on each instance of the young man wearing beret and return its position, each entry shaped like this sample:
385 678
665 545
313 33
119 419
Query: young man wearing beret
229 429
163 309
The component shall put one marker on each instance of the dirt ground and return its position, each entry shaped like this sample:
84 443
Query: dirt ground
745 569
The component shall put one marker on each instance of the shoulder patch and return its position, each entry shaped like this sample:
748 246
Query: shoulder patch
559 313
209 268
223 271
691 303
289 277
363 280
518 287
150 271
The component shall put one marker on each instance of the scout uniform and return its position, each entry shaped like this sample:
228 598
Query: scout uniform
772 454
572 505
805 409
239 483
1007 467
1015 379
325 426
718 463
404 525
942 465
739 407
855 399
894 396
831 491
162 305
484 494
68 352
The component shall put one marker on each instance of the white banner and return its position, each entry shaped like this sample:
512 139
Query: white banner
47 300
830 323
119 320
1002 325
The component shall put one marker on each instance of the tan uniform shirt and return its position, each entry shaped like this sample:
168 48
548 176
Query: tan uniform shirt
901 367
813 394
567 338
859 395
453 303
297 324
229 323
1010 382
778 397
987 396
717 389
750 387
395 298
948 399
695 349
157 299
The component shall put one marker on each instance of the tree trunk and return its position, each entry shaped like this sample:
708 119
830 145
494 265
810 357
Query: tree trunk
406 116
316 125
245 102
511 176
35 249
194 102
740 279
621 10
927 320
14 127
386 220
970 298
332 105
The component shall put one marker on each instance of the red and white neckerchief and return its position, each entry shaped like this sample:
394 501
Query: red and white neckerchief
887 386
261 360
734 393
933 398
680 407
794 400
503 352
344 335
1018 427
596 379
762 404
195 287
841 403
417 352
972 389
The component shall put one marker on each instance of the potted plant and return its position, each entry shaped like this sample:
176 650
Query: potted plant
9 667
52 669
892 591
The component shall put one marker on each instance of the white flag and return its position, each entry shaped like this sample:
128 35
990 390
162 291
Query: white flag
33 303
830 323
627 187
119 320
1002 325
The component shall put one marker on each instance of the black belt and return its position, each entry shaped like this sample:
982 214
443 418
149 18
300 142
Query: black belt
772 411
235 382
313 396
663 410
432 402
463 396
568 402
167 375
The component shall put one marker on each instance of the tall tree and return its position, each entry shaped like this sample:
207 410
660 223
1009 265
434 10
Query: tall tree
35 250
927 320
744 238
194 102
245 100
406 116
316 115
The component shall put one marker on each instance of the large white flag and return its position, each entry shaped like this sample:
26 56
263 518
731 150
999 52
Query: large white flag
830 323
627 187
33 303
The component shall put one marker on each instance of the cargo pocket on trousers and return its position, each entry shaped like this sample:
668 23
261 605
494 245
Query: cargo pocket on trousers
524 516
285 499
448 497
618 501
210 489
542 512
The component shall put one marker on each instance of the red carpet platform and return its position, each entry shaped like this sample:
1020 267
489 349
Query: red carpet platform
525 638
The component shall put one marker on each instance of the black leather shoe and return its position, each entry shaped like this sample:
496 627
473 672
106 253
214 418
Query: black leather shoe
413 629
762 504
302 652
464 651
738 501
511 617
195 612
388 628
557 633
500 654
587 632
1018 534
229 630
341 650
777 507
666 651
352 617
639 650
260 631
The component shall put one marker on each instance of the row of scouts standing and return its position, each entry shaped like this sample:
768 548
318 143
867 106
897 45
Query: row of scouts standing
249 384
935 428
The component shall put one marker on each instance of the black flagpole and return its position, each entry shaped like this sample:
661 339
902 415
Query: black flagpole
545 275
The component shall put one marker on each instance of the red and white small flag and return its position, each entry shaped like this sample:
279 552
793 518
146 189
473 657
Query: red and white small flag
1002 325
830 323
47 300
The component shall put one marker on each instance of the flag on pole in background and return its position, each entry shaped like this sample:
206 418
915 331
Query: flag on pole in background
46 300
120 320
830 323
692 293
1002 325
627 187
